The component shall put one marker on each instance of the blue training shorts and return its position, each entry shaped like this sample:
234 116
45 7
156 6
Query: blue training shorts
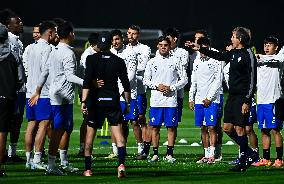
266 118
206 116
166 115
40 111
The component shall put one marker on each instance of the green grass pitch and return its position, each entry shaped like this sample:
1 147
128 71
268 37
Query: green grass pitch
185 170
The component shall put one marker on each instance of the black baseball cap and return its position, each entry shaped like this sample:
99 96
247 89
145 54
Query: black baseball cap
104 40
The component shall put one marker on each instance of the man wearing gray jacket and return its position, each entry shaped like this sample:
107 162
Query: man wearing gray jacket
11 79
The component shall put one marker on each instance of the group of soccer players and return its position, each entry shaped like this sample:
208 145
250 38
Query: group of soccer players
114 80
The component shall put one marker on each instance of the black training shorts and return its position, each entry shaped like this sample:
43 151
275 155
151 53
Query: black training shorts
233 111
96 116
6 113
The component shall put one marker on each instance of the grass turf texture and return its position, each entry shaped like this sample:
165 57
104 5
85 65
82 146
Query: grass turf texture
185 170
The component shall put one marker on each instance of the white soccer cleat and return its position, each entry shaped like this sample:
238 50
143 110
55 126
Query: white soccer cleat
155 158
40 166
69 168
169 159
202 160
55 171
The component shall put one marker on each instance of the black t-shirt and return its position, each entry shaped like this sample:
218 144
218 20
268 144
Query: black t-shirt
108 67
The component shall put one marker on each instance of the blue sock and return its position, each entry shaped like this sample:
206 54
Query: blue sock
121 154
155 150
243 149
170 150
235 138
88 162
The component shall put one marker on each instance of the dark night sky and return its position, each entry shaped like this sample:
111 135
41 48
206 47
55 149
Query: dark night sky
264 18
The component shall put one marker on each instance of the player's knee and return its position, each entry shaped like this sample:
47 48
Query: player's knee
265 132
88 146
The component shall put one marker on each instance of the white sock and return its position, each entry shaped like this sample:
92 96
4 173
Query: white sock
63 157
114 148
51 161
29 156
37 157
140 147
82 146
206 152
12 149
211 151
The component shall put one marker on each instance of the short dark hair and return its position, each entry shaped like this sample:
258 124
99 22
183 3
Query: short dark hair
244 35
116 32
163 38
58 21
204 41
6 15
172 31
271 39
64 29
202 31
93 38
135 27
45 25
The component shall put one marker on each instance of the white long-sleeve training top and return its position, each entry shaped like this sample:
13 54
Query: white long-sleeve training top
130 59
61 68
206 80
143 53
17 49
86 53
167 71
268 79
36 60
183 57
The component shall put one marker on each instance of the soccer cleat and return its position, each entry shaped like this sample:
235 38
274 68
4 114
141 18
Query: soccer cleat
278 163
155 158
211 160
251 159
15 158
112 155
121 171
3 173
218 159
169 159
40 166
142 156
69 168
202 160
238 168
87 173
234 162
28 165
55 171
262 162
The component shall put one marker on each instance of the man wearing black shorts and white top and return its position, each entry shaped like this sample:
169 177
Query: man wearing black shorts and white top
103 70
242 86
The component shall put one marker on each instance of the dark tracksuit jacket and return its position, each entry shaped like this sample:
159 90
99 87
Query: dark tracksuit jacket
243 67
108 67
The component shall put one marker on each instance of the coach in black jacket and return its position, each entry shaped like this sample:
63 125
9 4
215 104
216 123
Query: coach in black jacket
100 86
242 86
11 79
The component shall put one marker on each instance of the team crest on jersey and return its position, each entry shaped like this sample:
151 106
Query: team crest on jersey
239 59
